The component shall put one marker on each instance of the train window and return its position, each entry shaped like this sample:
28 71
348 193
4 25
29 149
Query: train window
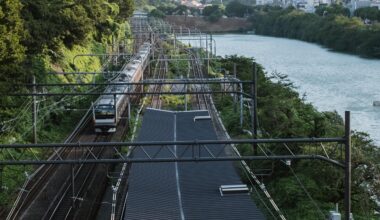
104 111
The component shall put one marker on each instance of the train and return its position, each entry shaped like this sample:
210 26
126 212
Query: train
108 108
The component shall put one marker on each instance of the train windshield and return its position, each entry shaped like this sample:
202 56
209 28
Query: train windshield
104 111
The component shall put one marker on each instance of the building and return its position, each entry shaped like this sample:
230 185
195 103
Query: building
375 4
355 4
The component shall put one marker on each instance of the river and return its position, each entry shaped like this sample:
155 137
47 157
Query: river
330 80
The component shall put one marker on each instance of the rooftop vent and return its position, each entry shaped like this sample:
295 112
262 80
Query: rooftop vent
196 118
233 189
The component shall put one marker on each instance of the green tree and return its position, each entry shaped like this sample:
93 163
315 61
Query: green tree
12 53
335 31
157 13
126 8
181 10
282 113
213 13
11 32
371 13
334 9
236 9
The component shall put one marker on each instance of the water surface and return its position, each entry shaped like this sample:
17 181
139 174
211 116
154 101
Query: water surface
330 80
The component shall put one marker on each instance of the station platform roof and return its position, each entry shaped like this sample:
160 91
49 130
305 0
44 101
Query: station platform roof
186 190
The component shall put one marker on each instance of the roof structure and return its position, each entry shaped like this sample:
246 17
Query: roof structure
187 190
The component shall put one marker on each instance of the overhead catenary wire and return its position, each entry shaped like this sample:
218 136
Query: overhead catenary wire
296 177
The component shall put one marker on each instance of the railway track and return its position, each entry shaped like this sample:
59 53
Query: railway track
199 101
49 192
159 73
69 197
74 191
32 187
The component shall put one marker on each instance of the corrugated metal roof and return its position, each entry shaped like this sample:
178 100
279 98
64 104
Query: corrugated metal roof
151 192
183 190
200 182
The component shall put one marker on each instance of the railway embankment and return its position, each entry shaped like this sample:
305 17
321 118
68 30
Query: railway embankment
57 116
304 189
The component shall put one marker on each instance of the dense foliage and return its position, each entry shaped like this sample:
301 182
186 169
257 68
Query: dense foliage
337 32
38 36
324 10
12 33
282 113
34 32
237 9
371 13
213 13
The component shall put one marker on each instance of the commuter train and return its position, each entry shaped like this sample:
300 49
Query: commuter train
107 109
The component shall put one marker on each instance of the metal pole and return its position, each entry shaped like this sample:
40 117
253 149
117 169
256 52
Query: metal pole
223 86
129 109
185 98
211 44
1 178
241 105
347 176
34 112
234 88
175 45
114 105
113 212
255 124
73 185
208 56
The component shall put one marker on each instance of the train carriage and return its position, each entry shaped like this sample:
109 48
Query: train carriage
108 108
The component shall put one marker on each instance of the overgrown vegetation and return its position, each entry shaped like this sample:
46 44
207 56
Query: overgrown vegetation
40 36
282 113
331 29
371 13
213 13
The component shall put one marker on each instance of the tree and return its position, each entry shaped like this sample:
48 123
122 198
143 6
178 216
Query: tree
334 9
65 21
12 52
213 12
181 10
209 10
157 13
126 8
371 13
236 9
11 32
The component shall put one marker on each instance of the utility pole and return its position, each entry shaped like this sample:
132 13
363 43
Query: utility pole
234 88
241 105
254 107
34 111
208 56
347 170
73 185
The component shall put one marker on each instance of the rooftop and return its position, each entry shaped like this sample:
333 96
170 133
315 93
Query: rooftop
189 190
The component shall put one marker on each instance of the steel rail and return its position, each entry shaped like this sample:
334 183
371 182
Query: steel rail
42 172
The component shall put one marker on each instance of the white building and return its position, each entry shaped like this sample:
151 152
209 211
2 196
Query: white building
375 4
355 4
264 2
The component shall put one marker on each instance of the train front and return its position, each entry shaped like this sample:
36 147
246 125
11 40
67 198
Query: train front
104 114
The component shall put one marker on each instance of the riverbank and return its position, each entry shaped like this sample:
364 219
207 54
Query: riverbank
223 25
329 80
296 188
336 32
